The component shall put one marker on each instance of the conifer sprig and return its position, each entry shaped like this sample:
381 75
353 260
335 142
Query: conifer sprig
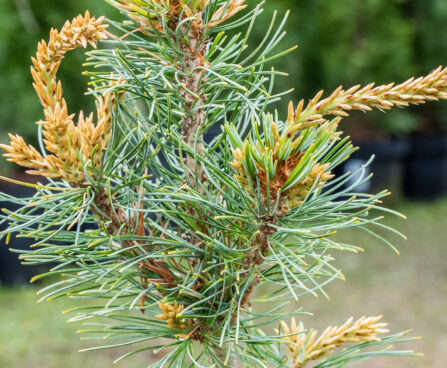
70 146
414 91
306 346
172 231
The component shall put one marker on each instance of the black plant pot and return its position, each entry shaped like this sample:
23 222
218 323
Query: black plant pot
426 168
387 166
11 270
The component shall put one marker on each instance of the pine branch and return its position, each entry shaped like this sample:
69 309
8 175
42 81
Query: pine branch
412 92
70 145
182 231
305 347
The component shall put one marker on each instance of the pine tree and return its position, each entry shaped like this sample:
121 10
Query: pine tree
172 230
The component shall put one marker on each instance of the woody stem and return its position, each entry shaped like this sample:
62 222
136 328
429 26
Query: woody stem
194 102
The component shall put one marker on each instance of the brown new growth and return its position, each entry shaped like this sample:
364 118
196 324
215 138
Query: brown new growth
306 346
290 198
69 146
149 12
414 91
226 11
295 195
170 314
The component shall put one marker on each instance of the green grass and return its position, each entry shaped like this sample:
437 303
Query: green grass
36 335
410 290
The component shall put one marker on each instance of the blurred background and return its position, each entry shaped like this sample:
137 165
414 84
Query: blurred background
340 42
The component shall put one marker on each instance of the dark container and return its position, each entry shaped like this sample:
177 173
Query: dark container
387 166
11 270
426 168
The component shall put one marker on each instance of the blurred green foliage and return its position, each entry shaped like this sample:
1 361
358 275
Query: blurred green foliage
350 41
341 42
